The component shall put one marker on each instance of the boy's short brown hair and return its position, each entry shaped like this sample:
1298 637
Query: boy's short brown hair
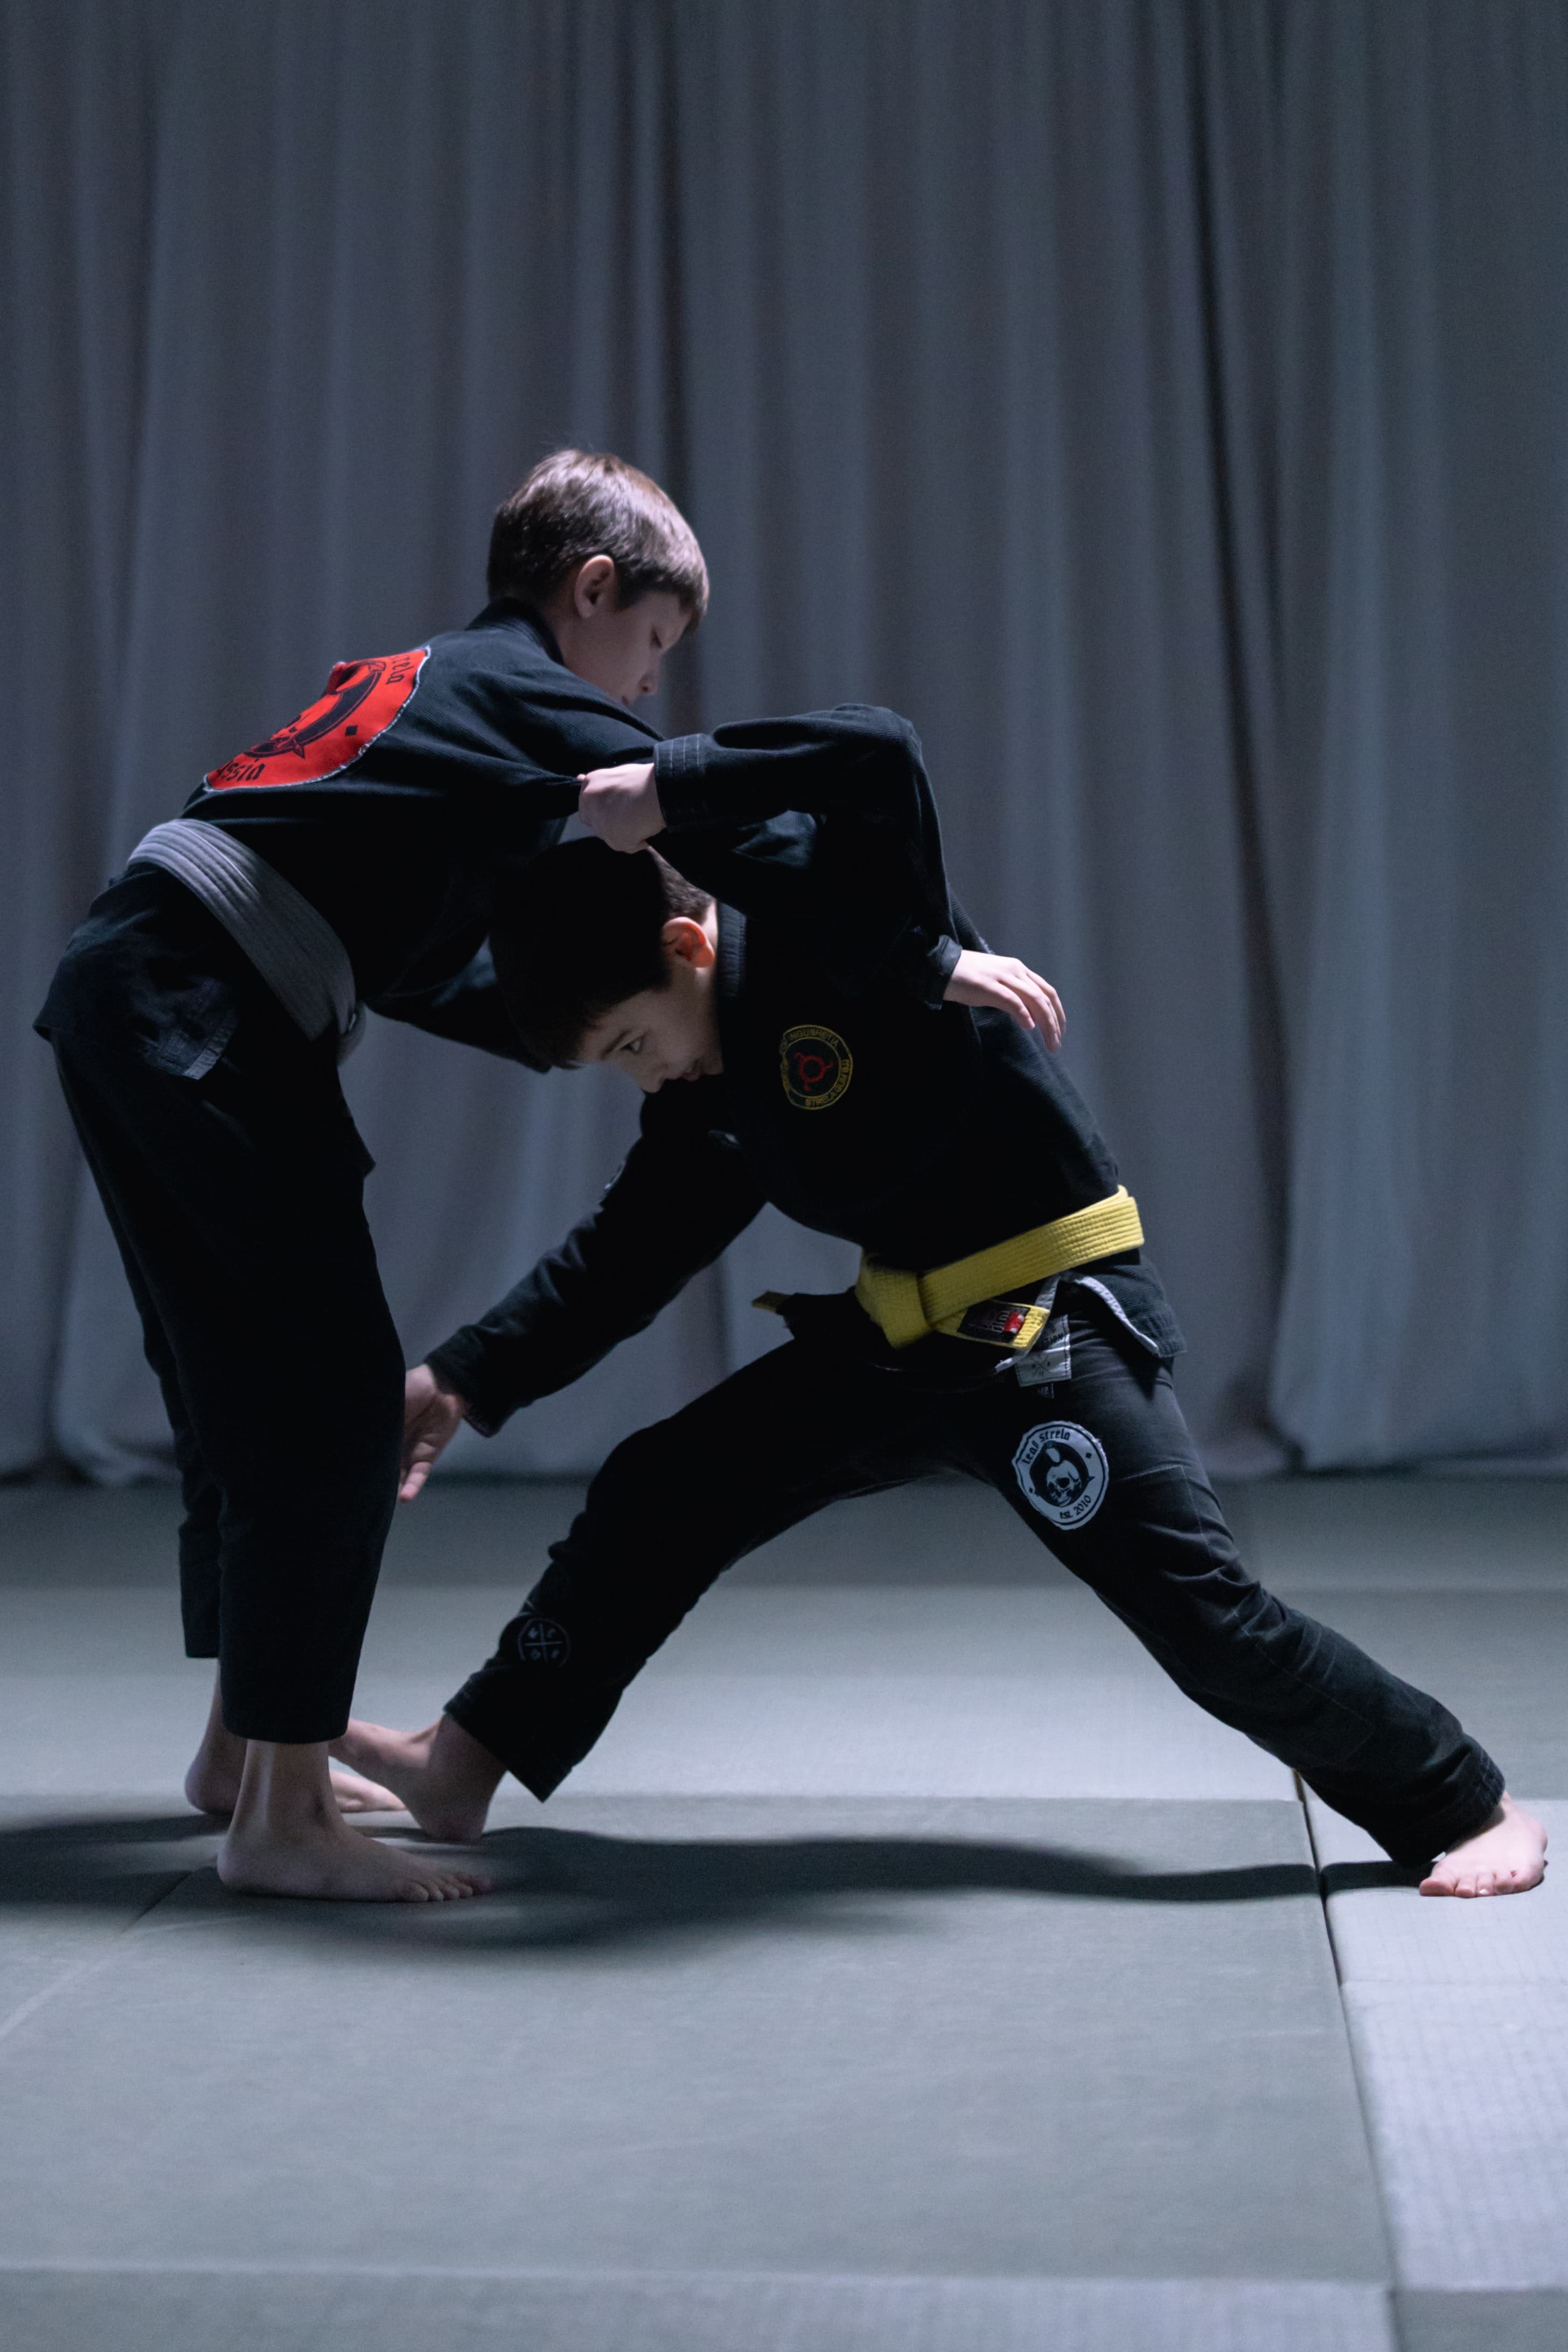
576 504
581 932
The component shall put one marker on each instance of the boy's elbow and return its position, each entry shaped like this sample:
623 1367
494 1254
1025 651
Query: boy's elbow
894 757
887 728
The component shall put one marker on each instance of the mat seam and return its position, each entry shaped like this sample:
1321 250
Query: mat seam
19 2016
1391 2291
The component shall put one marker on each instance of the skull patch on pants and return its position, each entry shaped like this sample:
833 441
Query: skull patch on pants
1062 1473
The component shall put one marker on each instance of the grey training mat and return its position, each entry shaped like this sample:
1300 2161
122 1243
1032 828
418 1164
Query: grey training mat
533 2311
69 1892
874 1691
1459 2013
1467 2101
1518 2320
992 2040
1384 1933
944 1531
891 2051
1390 1534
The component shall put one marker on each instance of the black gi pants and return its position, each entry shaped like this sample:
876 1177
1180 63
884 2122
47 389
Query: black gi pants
235 1197
1102 1468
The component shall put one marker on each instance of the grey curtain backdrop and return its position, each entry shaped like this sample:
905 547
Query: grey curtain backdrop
1162 403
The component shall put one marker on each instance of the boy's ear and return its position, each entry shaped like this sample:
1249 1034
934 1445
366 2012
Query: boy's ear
593 587
687 941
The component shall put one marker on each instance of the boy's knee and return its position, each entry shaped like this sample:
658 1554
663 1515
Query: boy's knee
644 1481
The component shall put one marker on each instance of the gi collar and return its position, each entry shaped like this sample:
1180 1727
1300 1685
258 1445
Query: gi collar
731 978
511 613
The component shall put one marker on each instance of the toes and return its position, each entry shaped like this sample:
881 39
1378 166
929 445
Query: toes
448 1888
1478 1881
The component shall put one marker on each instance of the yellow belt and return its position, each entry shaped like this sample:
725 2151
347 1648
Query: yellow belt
909 1305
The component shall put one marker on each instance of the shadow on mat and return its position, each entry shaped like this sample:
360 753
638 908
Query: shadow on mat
104 1861
1355 1878
580 1890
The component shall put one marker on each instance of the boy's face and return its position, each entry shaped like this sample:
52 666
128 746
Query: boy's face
669 1033
619 648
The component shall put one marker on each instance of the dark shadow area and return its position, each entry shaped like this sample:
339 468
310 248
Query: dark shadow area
562 1890
1354 1877
99 1861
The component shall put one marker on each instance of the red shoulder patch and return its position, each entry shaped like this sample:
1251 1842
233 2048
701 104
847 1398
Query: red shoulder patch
362 700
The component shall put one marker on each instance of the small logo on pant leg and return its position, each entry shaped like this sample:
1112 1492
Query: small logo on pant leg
1062 1473
540 1642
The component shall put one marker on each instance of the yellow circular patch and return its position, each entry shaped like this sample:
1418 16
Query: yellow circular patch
815 1065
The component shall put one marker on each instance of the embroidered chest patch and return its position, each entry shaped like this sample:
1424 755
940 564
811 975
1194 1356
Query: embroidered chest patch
362 700
815 1065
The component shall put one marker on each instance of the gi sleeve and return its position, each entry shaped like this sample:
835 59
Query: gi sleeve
680 1197
564 726
866 849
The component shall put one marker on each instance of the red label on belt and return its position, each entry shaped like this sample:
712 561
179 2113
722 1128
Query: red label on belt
362 700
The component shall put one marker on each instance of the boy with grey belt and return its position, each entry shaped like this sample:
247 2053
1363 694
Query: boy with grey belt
198 1017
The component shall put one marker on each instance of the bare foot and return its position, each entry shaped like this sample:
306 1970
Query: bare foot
213 1782
287 1837
443 1775
208 1790
355 1794
215 1792
1507 1857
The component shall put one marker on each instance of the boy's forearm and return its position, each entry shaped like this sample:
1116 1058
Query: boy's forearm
856 760
568 1313
527 1346
672 1210
865 855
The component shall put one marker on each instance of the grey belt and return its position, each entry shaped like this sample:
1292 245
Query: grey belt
295 950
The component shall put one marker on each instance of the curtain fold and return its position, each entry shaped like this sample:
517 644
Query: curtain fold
1161 401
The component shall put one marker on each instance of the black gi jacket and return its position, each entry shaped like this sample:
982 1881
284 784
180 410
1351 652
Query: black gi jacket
399 803
921 1133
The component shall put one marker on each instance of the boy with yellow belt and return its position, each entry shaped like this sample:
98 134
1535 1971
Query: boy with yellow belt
1005 1324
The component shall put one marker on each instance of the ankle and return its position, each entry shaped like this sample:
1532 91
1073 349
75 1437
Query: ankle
463 1762
220 1751
287 1788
